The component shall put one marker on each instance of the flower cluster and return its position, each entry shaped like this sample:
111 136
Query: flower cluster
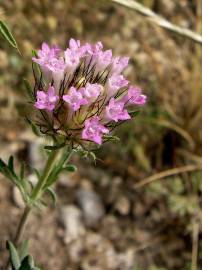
81 93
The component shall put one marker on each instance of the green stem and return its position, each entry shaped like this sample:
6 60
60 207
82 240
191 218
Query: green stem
34 196
21 226
47 170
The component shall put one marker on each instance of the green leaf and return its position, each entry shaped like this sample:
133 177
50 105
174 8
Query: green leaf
111 138
37 173
27 263
24 250
15 260
6 33
10 163
70 168
7 172
93 156
58 168
29 90
52 194
134 113
34 128
34 53
22 171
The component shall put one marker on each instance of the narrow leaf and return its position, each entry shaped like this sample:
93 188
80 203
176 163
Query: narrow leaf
70 168
22 171
24 250
6 33
29 90
15 260
34 127
134 113
10 163
111 138
54 147
52 194
27 263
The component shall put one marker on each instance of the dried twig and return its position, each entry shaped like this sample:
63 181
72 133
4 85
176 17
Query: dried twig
195 235
158 176
160 20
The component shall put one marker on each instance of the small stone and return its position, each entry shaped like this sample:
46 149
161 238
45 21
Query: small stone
36 155
17 197
91 205
71 219
122 205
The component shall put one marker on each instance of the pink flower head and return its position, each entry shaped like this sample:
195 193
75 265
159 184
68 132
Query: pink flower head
72 59
115 111
91 92
103 59
118 64
94 130
135 97
46 100
74 99
115 82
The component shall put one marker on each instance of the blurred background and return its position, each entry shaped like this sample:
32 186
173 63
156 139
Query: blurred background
119 214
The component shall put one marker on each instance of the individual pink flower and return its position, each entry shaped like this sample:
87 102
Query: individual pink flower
45 54
94 49
74 99
94 130
115 82
134 96
118 64
75 46
72 59
103 59
91 92
115 111
46 100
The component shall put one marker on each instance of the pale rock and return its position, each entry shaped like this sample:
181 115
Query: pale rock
17 197
71 218
91 205
122 205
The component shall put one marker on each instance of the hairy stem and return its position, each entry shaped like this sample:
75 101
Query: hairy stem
21 226
35 194
47 170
